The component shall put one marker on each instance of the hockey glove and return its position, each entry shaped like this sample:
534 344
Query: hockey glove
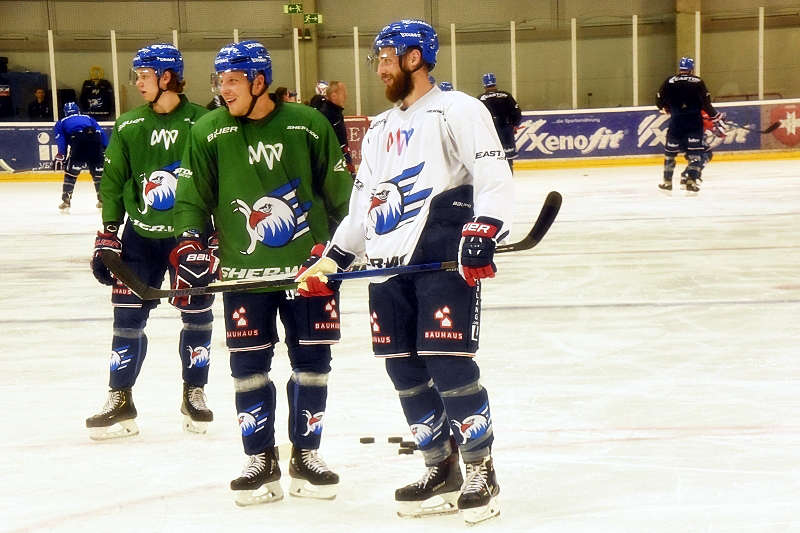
476 249
192 267
312 277
105 240
718 126
58 162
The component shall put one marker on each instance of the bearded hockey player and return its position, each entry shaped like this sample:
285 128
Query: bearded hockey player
433 186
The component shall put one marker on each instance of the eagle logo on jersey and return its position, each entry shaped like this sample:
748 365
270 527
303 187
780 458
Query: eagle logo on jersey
275 219
392 203
313 422
475 425
199 356
158 189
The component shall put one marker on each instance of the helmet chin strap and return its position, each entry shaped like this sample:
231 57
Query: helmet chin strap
254 99
160 92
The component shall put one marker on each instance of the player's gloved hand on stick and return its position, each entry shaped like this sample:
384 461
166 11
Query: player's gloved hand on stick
105 240
476 249
58 162
718 125
312 277
193 266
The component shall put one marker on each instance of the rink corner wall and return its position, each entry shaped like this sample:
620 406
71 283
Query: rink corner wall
545 139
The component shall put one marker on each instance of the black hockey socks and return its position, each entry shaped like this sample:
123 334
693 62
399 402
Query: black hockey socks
470 419
255 403
128 350
195 352
307 393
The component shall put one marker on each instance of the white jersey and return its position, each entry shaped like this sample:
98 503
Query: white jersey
412 157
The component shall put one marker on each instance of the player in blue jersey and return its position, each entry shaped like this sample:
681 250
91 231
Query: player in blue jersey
81 143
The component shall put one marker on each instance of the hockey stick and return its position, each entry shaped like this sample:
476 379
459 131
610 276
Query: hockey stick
772 127
127 276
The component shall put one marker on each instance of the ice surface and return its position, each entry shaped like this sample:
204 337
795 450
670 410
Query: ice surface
642 364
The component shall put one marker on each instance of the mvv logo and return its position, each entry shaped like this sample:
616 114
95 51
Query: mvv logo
168 137
270 153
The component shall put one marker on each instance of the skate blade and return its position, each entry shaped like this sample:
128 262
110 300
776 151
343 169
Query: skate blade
691 193
302 488
194 426
266 493
476 515
441 504
119 430
64 211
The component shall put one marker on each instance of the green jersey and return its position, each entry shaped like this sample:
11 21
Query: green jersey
140 162
274 186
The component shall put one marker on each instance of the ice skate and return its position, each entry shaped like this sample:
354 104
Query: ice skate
116 419
196 415
478 499
311 477
666 186
260 480
435 493
692 187
66 203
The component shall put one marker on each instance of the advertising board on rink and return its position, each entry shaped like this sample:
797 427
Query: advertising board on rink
643 131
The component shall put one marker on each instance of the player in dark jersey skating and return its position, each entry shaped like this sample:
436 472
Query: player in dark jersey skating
505 114
684 96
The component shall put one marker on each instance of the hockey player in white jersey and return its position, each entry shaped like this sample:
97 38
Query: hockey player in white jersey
433 185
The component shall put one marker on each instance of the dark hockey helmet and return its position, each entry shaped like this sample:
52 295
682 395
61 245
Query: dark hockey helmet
489 79
71 108
405 34
251 57
686 63
160 57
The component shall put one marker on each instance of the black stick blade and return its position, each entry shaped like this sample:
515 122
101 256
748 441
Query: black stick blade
547 216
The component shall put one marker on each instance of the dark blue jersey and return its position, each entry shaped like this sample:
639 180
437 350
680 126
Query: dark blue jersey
69 126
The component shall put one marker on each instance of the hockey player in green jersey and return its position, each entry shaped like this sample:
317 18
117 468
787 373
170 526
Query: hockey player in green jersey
273 177
139 181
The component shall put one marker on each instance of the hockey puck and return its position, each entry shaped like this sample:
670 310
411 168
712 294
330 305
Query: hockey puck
408 444
366 440
405 451
395 440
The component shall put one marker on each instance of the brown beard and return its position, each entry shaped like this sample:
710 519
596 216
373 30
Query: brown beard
400 87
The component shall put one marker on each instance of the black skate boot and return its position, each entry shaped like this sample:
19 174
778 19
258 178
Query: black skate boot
260 480
66 202
311 477
666 186
478 499
116 418
691 186
196 415
435 493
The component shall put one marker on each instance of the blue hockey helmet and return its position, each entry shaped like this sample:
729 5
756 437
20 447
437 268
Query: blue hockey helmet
251 57
446 86
409 33
160 57
71 108
489 79
686 63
